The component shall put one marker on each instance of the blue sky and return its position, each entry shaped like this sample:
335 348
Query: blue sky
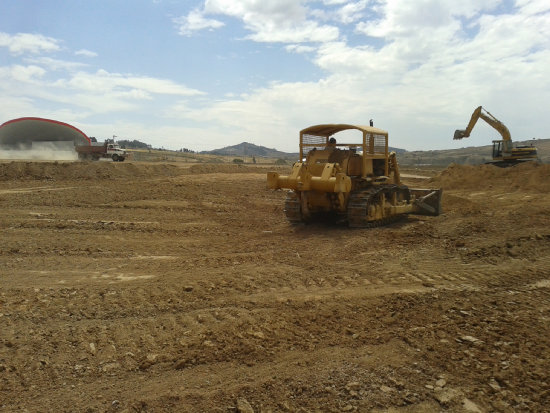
207 74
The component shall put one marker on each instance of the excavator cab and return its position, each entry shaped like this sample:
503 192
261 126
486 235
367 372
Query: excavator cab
497 149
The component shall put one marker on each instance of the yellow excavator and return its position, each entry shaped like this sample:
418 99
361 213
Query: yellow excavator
504 152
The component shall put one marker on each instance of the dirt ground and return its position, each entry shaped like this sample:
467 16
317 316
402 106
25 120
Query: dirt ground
134 287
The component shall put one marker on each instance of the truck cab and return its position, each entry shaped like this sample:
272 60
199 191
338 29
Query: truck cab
114 151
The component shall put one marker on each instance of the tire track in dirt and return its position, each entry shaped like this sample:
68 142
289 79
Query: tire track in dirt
456 275
224 300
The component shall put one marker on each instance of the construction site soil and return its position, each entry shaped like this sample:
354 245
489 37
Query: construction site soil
143 287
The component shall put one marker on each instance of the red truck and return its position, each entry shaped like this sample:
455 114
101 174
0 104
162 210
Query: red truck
97 150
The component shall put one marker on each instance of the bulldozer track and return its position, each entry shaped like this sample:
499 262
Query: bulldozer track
359 203
293 211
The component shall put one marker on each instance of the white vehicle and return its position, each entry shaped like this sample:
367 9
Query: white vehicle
97 150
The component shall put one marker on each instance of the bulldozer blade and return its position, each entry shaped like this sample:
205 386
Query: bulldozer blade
427 201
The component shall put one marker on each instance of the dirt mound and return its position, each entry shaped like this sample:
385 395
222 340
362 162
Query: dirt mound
82 170
213 168
529 176
22 170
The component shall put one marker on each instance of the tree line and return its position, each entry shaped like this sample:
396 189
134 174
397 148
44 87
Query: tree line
135 144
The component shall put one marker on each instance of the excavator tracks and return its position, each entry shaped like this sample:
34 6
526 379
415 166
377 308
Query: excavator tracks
359 211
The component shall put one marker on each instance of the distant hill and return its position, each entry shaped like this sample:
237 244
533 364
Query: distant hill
472 155
249 149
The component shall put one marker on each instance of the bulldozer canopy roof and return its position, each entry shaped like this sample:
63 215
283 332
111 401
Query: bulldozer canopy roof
331 129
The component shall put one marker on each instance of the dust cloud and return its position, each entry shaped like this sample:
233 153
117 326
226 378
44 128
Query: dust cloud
46 151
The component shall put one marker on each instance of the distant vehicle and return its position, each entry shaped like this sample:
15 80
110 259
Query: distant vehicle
98 150
504 152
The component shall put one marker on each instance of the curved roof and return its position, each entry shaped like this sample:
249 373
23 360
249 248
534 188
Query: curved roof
331 129
27 130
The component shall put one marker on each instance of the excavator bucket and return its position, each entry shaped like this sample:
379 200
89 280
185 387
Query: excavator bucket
459 134
427 201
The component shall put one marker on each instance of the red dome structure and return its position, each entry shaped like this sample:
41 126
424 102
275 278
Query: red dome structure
22 132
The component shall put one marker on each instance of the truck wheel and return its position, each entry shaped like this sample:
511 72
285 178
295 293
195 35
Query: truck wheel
115 157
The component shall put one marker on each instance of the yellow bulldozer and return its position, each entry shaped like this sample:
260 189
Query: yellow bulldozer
356 181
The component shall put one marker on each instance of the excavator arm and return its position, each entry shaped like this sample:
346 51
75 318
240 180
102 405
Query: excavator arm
487 117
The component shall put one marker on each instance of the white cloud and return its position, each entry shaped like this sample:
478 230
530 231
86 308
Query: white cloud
55 64
338 57
195 21
351 11
85 53
420 82
401 18
25 74
272 116
297 48
533 6
278 11
334 2
42 96
28 43
307 31
16 106
268 21
103 81
35 91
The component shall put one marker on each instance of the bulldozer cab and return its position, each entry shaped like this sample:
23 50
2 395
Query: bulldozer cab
359 154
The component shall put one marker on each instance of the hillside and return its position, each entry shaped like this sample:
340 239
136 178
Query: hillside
249 149
471 155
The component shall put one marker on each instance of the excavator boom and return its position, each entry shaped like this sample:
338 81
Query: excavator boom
465 133
487 117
